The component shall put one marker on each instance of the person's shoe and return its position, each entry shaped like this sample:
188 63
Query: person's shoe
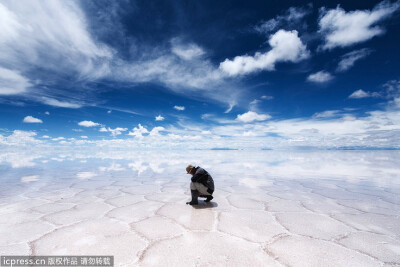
195 195
208 198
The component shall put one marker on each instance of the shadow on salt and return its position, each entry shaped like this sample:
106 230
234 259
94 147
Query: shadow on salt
205 205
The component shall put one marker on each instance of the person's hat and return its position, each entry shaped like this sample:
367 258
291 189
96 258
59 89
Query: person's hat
189 168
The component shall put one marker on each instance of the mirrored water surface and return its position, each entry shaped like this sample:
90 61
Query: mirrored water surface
280 205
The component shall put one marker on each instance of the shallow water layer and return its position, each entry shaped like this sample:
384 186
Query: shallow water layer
270 208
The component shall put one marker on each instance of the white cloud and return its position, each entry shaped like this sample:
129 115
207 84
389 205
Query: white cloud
331 128
19 137
362 94
320 77
114 132
249 133
56 38
392 89
57 103
159 118
12 82
138 131
251 116
88 124
84 137
291 18
267 97
30 178
45 136
85 175
359 94
341 28
138 166
109 111
180 108
156 131
47 113
50 34
229 109
30 119
186 51
286 46
181 76
347 61
58 138
327 114
113 167
254 103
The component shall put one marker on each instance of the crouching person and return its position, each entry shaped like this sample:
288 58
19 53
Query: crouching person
202 184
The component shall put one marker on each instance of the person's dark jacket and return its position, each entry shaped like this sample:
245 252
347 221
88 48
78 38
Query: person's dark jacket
203 177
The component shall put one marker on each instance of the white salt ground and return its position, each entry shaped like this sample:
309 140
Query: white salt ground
263 213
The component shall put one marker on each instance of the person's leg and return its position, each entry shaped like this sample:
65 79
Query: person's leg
202 189
195 194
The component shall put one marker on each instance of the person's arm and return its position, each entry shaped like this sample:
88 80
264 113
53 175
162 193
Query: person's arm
199 176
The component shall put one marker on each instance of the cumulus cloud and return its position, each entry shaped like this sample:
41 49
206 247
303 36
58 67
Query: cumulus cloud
180 108
320 77
362 94
156 131
30 119
88 124
11 81
159 118
138 131
251 116
341 29
347 61
113 132
328 129
19 137
390 91
286 46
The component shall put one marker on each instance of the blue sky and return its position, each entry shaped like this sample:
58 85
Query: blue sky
200 73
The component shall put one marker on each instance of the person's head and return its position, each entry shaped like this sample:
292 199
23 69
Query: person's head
190 169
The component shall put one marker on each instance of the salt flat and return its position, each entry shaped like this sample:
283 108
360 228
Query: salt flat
270 208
